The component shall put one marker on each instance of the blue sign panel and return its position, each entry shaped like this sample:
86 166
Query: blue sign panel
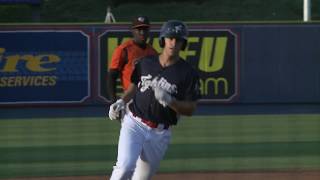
33 2
43 67
280 64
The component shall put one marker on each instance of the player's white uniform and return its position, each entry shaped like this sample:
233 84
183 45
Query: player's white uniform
140 149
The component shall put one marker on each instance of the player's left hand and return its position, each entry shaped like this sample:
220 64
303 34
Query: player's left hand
162 96
117 110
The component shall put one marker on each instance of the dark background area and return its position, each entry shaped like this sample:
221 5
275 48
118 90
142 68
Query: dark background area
201 10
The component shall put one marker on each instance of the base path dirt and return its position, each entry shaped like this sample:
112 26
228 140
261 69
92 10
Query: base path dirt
297 175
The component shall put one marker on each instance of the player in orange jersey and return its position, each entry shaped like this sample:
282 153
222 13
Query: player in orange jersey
126 55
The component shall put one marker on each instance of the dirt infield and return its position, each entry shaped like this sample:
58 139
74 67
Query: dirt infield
297 175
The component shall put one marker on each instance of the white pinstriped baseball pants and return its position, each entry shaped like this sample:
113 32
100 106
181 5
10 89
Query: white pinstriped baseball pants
140 149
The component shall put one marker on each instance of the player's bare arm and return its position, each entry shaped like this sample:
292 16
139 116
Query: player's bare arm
111 84
183 107
129 93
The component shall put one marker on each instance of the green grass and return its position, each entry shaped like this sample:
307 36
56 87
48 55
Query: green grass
88 146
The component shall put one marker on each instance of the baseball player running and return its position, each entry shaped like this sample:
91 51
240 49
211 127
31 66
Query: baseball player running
162 88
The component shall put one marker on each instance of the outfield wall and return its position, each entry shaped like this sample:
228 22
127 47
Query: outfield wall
237 63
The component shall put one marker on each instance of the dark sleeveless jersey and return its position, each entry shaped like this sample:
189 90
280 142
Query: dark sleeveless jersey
179 79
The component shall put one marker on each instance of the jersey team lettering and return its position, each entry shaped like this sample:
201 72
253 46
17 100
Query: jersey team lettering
147 81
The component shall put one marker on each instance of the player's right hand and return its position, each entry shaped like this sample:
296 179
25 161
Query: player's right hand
162 96
117 110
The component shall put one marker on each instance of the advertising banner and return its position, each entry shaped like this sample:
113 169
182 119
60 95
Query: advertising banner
43 67
242 63
213 52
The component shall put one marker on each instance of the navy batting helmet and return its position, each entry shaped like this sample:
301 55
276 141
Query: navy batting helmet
174 29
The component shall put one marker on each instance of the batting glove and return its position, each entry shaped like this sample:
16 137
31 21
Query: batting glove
162 96
117 110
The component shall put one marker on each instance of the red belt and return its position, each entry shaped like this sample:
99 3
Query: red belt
151 123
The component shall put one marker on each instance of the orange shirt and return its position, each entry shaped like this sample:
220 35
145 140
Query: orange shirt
124 57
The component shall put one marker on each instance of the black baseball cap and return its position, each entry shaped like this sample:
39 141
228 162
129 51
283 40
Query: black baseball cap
140 21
